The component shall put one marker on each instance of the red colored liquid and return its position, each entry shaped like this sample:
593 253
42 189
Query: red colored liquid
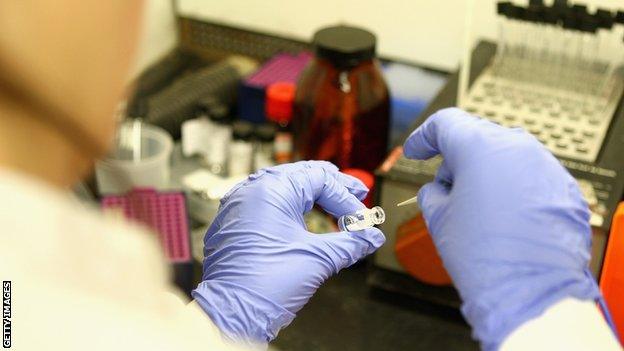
342 117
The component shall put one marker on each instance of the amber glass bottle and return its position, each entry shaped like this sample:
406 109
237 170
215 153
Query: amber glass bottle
342 105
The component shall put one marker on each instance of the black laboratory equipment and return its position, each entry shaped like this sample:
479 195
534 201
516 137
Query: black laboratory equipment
167 93
159 75
174 104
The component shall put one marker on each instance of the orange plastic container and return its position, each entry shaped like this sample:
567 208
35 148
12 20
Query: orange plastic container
612 277
416 252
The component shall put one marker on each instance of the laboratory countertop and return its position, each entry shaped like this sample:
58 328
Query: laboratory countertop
346 315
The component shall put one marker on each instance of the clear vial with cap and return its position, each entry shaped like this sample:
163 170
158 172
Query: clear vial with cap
217 145
362 219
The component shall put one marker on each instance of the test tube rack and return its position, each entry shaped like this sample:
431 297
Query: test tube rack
570 124
549 77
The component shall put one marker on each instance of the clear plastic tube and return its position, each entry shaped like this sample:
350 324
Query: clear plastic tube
362 219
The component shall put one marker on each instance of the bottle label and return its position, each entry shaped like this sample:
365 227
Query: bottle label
215 147
283 147
241 158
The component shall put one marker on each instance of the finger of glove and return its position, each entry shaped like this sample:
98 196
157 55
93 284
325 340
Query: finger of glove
440 134
355 186
297 166
318 185
444 174
343 249
432 199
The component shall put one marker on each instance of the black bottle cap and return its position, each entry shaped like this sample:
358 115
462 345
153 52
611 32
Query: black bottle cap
539 3
205 105
534 13
619 17
570 21
579 9
560 9
502 8
588 24
560 4
265 132
605 18
550 16
517 12
242 130
220 114
345 46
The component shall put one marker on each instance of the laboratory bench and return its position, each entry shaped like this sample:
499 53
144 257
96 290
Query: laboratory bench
347 315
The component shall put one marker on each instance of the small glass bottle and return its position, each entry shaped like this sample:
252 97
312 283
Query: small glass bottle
263 155
279 110
241 149
197 132
342 106
216 153
362 219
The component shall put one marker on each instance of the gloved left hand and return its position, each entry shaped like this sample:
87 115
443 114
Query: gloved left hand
508 220
261 264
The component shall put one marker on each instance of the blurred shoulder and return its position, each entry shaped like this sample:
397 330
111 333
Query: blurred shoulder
46 232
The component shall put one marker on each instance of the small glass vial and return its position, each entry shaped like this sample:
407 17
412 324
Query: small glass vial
215 155
241 149
362 219
263 156
197 132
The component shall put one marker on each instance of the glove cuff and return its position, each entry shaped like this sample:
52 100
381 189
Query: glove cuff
241 314
511 305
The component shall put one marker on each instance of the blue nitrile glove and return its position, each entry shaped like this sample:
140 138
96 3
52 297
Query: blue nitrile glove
508 220
261 264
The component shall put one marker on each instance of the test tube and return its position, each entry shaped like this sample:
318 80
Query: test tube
592 40
569 35
502 48
240 158
580 13
617 54
605 21
520 39
587 54
535 44
560 11
619 19
552 36
362 219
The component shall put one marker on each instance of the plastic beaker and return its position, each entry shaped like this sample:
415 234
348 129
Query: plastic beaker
126 167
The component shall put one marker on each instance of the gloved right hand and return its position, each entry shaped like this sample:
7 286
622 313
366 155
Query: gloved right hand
508 220
261 263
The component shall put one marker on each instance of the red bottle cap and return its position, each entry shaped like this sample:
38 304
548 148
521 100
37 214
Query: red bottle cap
279 101
367 178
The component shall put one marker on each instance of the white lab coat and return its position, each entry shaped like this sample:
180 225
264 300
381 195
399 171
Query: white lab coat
81 281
